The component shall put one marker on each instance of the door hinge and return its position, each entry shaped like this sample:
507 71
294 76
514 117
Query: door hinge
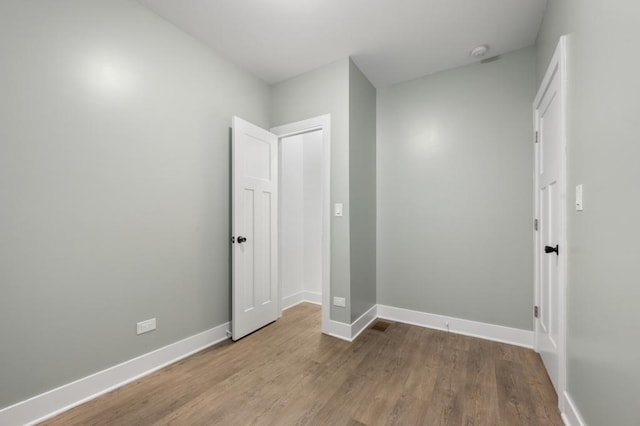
536 312
537 137
535 224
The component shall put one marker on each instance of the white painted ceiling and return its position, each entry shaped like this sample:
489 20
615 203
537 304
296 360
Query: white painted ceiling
390 40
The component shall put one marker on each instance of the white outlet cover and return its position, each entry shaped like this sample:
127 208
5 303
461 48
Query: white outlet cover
146 326
340 301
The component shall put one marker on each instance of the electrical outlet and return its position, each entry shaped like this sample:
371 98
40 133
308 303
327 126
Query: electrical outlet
146 326
340 301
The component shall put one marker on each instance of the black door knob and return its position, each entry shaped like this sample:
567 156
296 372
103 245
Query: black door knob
241 240
549 249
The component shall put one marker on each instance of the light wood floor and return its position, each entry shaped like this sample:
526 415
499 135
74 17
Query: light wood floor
288 373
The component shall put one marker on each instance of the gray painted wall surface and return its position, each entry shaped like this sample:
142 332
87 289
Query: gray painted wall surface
362 190
603 154
326 91
114 181
455 179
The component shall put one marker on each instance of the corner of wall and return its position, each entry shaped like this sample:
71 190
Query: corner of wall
362 191
318 92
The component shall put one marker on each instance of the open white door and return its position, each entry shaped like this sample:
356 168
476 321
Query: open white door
254 209
551 213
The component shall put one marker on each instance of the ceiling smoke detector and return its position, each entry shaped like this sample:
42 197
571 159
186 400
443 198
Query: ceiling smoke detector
480 51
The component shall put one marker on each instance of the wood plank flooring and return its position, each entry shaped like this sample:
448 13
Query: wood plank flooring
288 373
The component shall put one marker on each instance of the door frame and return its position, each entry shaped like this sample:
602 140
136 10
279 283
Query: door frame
558 64
323 123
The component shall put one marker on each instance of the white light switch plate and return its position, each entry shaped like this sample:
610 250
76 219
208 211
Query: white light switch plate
338 209
579 205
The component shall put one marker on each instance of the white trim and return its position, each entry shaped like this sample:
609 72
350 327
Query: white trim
558 64
350 332
292 300
313 297
571 416
46 405
301 297
56 401
497 333
361 324
337 329
323 123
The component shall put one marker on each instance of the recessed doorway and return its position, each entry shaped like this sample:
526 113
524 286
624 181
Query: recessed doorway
304 213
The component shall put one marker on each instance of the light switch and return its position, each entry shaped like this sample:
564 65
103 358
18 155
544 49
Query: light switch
579 206
338 209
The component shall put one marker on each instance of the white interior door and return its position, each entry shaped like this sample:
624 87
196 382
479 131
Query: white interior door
551 199
254 208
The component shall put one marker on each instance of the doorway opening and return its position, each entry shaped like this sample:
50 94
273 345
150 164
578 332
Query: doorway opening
304 213
300 218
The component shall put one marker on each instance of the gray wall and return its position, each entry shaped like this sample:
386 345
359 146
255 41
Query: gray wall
603 155
455 181
362 191
326 91
114 181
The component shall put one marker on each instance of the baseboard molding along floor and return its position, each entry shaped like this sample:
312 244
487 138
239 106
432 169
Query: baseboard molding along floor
53 402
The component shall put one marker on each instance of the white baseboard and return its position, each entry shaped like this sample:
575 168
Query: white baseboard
338 329
359 325
497 333
293 300
314 297
571 416
300 297
54 402
349 332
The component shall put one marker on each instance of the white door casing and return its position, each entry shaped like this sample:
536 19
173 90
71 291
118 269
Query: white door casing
550 211
322 123
254 211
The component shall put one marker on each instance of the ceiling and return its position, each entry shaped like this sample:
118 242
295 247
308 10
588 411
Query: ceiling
390 40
